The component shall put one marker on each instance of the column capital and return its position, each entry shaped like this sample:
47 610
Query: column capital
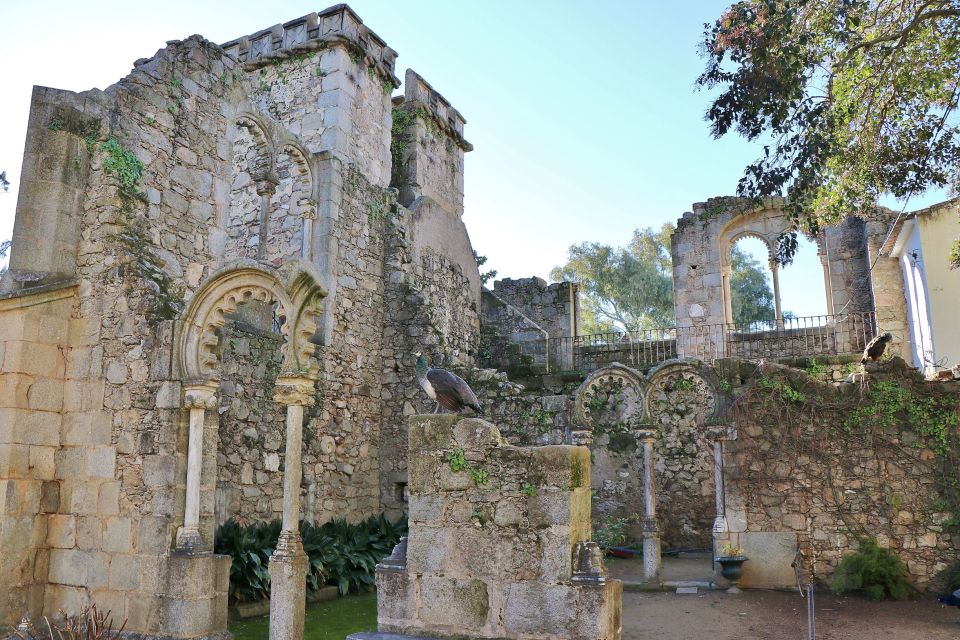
645 435
308 208
200 395
294 389
717 433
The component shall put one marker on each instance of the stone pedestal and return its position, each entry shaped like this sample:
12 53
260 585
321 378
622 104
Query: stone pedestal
288 595
195 604
498 544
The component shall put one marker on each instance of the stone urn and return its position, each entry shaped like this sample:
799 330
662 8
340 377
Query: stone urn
731 568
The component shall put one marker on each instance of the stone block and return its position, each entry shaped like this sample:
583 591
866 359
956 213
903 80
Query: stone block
395 597
144 612
538 609
287 596
61 531
771 554
153 535
125 572
431 433
89 532
117 535
454 603
428 551
42 462
189 618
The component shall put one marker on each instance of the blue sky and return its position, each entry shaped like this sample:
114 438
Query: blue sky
583 114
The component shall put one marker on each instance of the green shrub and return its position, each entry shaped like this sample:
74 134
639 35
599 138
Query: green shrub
612 532
876 571
340 553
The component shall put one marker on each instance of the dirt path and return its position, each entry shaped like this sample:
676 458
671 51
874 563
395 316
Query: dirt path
770 615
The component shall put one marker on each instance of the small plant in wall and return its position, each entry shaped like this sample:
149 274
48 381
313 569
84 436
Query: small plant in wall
458 461
528 489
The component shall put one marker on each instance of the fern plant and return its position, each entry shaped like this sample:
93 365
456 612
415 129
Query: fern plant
876 571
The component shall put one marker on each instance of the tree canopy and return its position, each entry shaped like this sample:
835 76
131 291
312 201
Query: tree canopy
750 294
854 99
631 288
623 288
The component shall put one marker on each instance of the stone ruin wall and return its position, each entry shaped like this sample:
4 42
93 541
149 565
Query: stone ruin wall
494 545
96 515
840 486
542 411
554 307
700 250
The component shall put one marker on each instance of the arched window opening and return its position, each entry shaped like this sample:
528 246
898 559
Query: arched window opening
752 296
802 290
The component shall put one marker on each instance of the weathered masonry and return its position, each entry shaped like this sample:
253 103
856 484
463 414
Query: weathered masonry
230 245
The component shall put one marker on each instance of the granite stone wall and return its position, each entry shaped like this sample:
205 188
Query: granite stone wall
496 542
266 159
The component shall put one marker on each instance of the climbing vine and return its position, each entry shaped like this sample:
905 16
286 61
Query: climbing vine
847 449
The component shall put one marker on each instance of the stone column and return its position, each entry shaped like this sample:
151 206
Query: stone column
197 398
716 437
288 564
308 212
725 275
777 313
265 189
651 533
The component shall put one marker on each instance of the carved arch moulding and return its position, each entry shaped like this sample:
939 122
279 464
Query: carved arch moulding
686 389
611 396
293 290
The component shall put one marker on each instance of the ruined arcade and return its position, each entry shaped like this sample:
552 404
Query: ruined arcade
256 233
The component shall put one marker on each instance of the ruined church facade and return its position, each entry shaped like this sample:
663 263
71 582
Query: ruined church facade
232 239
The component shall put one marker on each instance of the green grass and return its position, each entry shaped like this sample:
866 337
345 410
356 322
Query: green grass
332 620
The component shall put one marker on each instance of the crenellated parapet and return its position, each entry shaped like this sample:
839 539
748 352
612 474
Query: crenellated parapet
338 25
417 92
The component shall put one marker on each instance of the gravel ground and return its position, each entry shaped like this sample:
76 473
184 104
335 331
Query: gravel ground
775 615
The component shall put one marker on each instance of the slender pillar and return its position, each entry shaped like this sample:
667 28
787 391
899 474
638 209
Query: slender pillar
720 520
288 564
651 533
197 398
777 312
265 189
308 212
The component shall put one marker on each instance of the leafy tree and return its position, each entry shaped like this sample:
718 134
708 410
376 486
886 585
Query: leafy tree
750 293
623 288
857 98
485 276
632 288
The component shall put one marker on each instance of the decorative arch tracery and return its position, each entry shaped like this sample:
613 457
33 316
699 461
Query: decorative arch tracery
610 397
293 290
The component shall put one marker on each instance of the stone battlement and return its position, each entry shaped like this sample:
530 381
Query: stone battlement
417 92
336 24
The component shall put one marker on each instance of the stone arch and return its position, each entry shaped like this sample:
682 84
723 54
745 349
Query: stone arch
611 396
292 205
252 181
294 290
683 398
699 396
727 250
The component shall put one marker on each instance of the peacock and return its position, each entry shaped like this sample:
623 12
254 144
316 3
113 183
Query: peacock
448 390
876 347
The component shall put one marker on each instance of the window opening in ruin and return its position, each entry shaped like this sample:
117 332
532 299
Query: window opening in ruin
752 296
802 292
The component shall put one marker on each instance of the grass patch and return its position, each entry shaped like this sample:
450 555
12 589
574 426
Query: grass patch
332 620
